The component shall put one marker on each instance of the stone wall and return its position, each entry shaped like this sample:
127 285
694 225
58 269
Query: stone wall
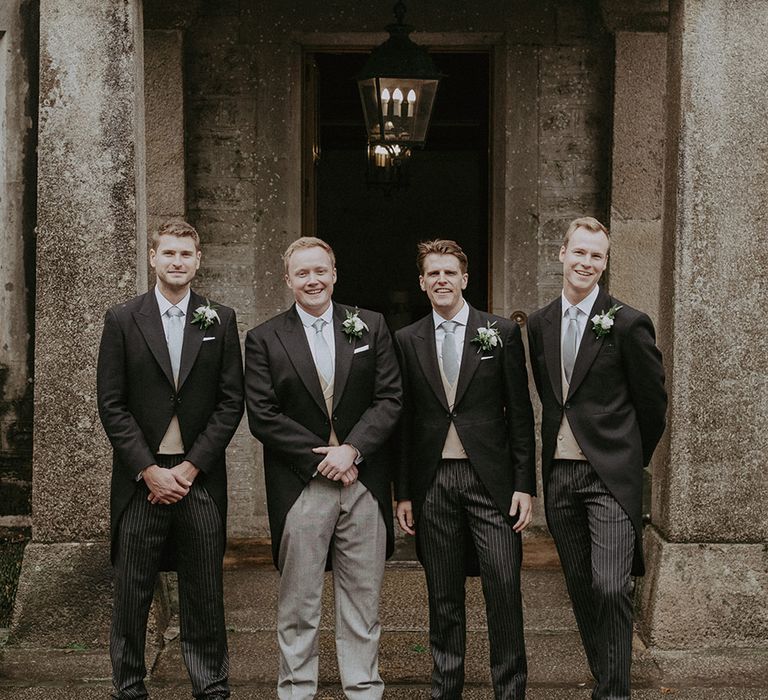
242 74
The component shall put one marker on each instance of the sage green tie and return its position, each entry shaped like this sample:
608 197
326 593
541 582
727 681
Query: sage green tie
323 359
570 341
175 339
450 356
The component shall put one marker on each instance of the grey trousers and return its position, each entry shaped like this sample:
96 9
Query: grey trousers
348 521
596 542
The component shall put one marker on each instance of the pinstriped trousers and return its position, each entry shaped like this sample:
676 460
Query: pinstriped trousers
595 541
195 524
457 502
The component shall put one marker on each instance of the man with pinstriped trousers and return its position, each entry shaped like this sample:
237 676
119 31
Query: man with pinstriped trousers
170 395
466 474
601 382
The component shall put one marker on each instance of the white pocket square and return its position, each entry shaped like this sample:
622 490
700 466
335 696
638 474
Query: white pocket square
210 337
361 349
487 357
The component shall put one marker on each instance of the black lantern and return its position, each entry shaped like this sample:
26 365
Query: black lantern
397 87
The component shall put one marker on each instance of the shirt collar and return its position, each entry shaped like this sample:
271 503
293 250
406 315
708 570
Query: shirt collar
585 305
163 304
462 317
308 319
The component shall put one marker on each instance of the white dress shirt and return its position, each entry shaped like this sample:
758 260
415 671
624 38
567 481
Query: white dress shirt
584 306
308 319
163 304
461 319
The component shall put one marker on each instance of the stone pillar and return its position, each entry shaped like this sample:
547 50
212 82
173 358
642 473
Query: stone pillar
704 601
164 100
18 87
91 250
638 168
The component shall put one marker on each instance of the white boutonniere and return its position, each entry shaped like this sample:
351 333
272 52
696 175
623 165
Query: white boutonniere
603 322
488 337
205 316
353 326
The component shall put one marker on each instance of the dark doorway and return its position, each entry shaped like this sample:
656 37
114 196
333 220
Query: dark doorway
374 233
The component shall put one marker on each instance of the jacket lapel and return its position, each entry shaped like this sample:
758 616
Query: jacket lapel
550 330
426 352
294 340
590 344
150 324
344 353
470 357
193 338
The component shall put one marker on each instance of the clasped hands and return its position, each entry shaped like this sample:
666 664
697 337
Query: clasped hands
168 486
338 463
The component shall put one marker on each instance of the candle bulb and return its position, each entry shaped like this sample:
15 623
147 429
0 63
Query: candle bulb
397 95
385 101
411 101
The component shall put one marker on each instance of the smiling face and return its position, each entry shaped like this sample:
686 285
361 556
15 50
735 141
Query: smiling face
443 281
584 258
175 260
311 276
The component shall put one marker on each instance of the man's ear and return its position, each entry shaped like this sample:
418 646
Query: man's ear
152 255
421 283
561 254
464 280
288 281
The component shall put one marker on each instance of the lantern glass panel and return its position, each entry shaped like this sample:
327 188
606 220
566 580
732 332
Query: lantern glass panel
402 105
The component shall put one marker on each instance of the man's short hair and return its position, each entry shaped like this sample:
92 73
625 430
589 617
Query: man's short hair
307 242
440 246
175 227
589 223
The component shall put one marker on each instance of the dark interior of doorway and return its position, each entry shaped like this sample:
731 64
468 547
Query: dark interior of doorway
373 233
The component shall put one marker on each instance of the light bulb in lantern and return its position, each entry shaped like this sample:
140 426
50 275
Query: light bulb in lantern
385 102
411 101
397 95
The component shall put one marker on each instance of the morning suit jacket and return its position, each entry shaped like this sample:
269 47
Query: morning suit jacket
287 412
616 403
137 397
492 412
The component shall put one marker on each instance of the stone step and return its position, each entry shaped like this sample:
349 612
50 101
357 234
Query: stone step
251 600
392 692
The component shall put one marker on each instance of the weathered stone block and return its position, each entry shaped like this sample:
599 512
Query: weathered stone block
704 596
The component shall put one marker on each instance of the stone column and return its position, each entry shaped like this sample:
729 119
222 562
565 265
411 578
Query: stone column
91 250
704 602
638 168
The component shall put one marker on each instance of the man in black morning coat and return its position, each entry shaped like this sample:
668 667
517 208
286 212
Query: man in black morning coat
170 394
467 469
601 383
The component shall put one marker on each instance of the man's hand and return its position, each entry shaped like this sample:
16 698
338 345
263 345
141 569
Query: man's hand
405 516
349 477
186 470
165 487
522 503
337 461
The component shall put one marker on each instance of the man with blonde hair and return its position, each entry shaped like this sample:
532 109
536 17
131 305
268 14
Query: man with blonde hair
601 383
323 394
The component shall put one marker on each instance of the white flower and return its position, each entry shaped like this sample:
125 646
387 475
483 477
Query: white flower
603 322
205 316
487 337
353 326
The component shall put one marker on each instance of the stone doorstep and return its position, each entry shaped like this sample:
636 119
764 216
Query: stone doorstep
392 692
404 658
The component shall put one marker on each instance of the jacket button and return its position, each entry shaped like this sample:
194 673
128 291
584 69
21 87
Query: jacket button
173 399
568 404
335 417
